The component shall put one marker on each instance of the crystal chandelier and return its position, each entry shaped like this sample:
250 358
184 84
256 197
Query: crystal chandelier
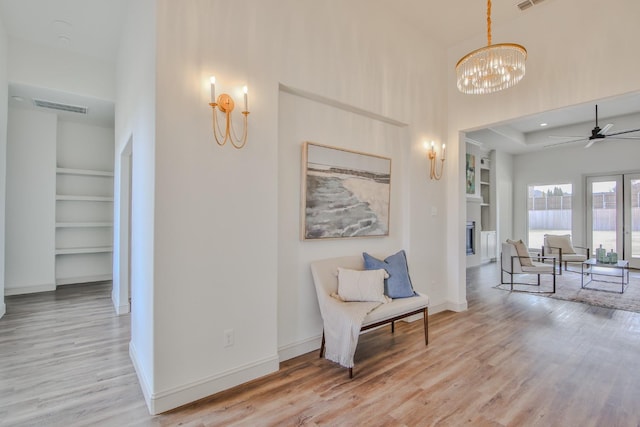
491 68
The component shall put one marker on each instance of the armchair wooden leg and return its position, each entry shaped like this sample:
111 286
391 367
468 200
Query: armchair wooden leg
393 327
351 373
322 345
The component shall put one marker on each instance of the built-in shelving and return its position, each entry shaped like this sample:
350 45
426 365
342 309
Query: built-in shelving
85 172
70 198
488 234
83 224
84 205
87 250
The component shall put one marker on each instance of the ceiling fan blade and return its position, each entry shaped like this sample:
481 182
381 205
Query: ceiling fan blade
605 129
623 137
623 132
565 142
565 137
591 142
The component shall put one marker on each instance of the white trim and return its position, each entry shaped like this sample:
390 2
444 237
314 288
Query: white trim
31 289
142 379
307 345
3 309
186 393
120 309
446 306
299 348
61 281
341 105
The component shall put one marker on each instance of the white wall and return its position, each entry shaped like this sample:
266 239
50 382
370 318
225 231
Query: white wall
30 202
3 152
135 119
220 253
82 146
60 69
556 76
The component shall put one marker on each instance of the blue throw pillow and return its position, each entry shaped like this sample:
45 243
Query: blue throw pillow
398 285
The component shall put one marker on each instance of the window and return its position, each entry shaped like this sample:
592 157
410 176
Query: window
549 208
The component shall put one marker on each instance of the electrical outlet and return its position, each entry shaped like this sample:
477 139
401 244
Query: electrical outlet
228 337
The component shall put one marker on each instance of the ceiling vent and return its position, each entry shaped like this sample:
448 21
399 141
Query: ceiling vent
526 4
62 107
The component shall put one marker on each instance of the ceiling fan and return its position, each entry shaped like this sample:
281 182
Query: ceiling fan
597 134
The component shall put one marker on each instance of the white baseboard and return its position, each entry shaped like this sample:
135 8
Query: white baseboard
83 279
30 289
3 309
305 346
299 348
457 307
120 309
142 378
447 306
166 400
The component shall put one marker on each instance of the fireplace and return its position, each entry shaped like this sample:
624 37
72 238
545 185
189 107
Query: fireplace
471 232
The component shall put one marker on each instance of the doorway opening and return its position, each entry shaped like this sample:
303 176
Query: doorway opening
122 237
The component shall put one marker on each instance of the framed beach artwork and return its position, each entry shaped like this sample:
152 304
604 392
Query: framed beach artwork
471 174
344 193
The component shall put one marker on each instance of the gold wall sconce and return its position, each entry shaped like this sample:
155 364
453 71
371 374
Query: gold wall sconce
433 157
225 104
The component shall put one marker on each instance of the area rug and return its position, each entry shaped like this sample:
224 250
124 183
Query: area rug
598 293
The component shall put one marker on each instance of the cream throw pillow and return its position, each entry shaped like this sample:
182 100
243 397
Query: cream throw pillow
365 285
560 241
522 251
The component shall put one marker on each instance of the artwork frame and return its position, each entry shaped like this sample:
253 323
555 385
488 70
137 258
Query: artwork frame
345 193
471 174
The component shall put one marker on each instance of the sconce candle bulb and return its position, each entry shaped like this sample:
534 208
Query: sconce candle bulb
246 105
224 104
212 79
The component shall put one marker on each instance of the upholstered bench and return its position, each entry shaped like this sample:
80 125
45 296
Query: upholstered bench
325 278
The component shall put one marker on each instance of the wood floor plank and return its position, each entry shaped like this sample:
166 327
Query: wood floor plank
511 359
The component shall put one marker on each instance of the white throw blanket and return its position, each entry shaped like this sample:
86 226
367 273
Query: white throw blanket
342 323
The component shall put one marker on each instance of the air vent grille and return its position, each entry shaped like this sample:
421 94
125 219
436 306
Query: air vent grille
62 107
526 4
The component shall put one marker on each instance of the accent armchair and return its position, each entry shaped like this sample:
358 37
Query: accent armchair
515 259
561 247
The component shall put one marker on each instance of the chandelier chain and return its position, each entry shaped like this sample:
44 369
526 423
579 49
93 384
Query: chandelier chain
488 22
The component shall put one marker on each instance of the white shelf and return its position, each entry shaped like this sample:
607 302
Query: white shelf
88 250
484 183
63 197
86 172
83 224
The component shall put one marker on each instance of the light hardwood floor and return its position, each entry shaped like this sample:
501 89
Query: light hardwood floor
510 360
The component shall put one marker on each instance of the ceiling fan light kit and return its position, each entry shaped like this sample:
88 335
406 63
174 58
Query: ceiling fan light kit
491 68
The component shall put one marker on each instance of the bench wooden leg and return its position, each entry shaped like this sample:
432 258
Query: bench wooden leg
393 327
426 326
322 345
